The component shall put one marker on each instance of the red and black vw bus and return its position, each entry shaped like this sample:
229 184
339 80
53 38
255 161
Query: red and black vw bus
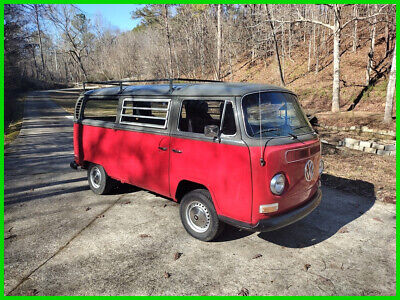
236 153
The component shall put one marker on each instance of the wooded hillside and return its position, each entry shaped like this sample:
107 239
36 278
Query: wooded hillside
340 51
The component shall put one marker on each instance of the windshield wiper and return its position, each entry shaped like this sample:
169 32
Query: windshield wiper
294 137
300 127
267 130
262 161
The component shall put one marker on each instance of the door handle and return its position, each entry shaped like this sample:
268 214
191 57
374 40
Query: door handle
176 151
163 148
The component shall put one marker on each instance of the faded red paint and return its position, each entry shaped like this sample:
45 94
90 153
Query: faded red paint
297 189
223 169
232 173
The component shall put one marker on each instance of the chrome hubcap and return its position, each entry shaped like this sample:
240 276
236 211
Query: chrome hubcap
95 177
198 216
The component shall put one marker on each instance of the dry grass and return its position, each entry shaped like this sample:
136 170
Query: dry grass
361 173
14 121
355 118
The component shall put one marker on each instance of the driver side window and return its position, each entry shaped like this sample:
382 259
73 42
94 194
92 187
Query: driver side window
197 114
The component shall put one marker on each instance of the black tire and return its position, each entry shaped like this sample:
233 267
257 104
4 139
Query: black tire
199 217
100 183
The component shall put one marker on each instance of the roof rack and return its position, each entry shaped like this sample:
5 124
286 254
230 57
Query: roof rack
121 83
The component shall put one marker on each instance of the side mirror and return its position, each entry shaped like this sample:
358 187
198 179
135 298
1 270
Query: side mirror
211 131
313 120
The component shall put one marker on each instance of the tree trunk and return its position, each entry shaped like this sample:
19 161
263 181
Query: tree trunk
66 71
309 55
230 67
387 36
36 8
317 52
290 42
178 71
336 61
219 37
167 33
372 50
314 42
276 45
355 37
79 59
391 88
56 62
35 63
283 52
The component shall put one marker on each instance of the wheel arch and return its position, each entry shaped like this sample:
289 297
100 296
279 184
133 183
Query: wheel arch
185 186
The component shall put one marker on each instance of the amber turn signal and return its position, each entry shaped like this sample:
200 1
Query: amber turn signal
269 208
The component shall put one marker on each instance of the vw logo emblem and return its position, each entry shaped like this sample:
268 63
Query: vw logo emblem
309 170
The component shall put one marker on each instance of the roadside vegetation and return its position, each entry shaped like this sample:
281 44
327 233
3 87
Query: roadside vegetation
14 105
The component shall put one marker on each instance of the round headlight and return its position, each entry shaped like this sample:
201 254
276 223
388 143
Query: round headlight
277 184
321 166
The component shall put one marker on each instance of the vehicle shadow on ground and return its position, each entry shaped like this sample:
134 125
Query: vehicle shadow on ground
232 233
33 187
124 188
337 209
332 215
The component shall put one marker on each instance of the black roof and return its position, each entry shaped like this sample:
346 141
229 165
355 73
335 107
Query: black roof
197 89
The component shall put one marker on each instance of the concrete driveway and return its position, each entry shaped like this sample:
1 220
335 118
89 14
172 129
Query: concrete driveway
61 239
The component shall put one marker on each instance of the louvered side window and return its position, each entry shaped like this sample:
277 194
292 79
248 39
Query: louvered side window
78 107
145 112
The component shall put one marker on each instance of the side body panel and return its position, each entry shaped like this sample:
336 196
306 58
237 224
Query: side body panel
224 169
78 151
129 156
144 160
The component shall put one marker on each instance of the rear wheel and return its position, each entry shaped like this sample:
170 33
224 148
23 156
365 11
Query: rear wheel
100 183
199 217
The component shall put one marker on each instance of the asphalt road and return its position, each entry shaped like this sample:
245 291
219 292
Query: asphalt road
61 239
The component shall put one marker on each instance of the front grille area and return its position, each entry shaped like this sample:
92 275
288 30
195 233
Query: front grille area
302 153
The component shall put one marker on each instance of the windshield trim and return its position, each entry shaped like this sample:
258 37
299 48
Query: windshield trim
271 91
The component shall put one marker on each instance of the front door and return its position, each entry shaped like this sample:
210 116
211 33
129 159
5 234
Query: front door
223 167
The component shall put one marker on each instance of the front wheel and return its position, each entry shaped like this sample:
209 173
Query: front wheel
199 217
100 183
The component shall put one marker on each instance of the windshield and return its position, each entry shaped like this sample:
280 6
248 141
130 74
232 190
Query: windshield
279 112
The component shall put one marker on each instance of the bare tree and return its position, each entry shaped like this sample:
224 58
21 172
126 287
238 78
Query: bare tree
36 11
198 40
317 51
73 26
370 61
391 89
168 35
219 40
275 44
355 36
337 28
